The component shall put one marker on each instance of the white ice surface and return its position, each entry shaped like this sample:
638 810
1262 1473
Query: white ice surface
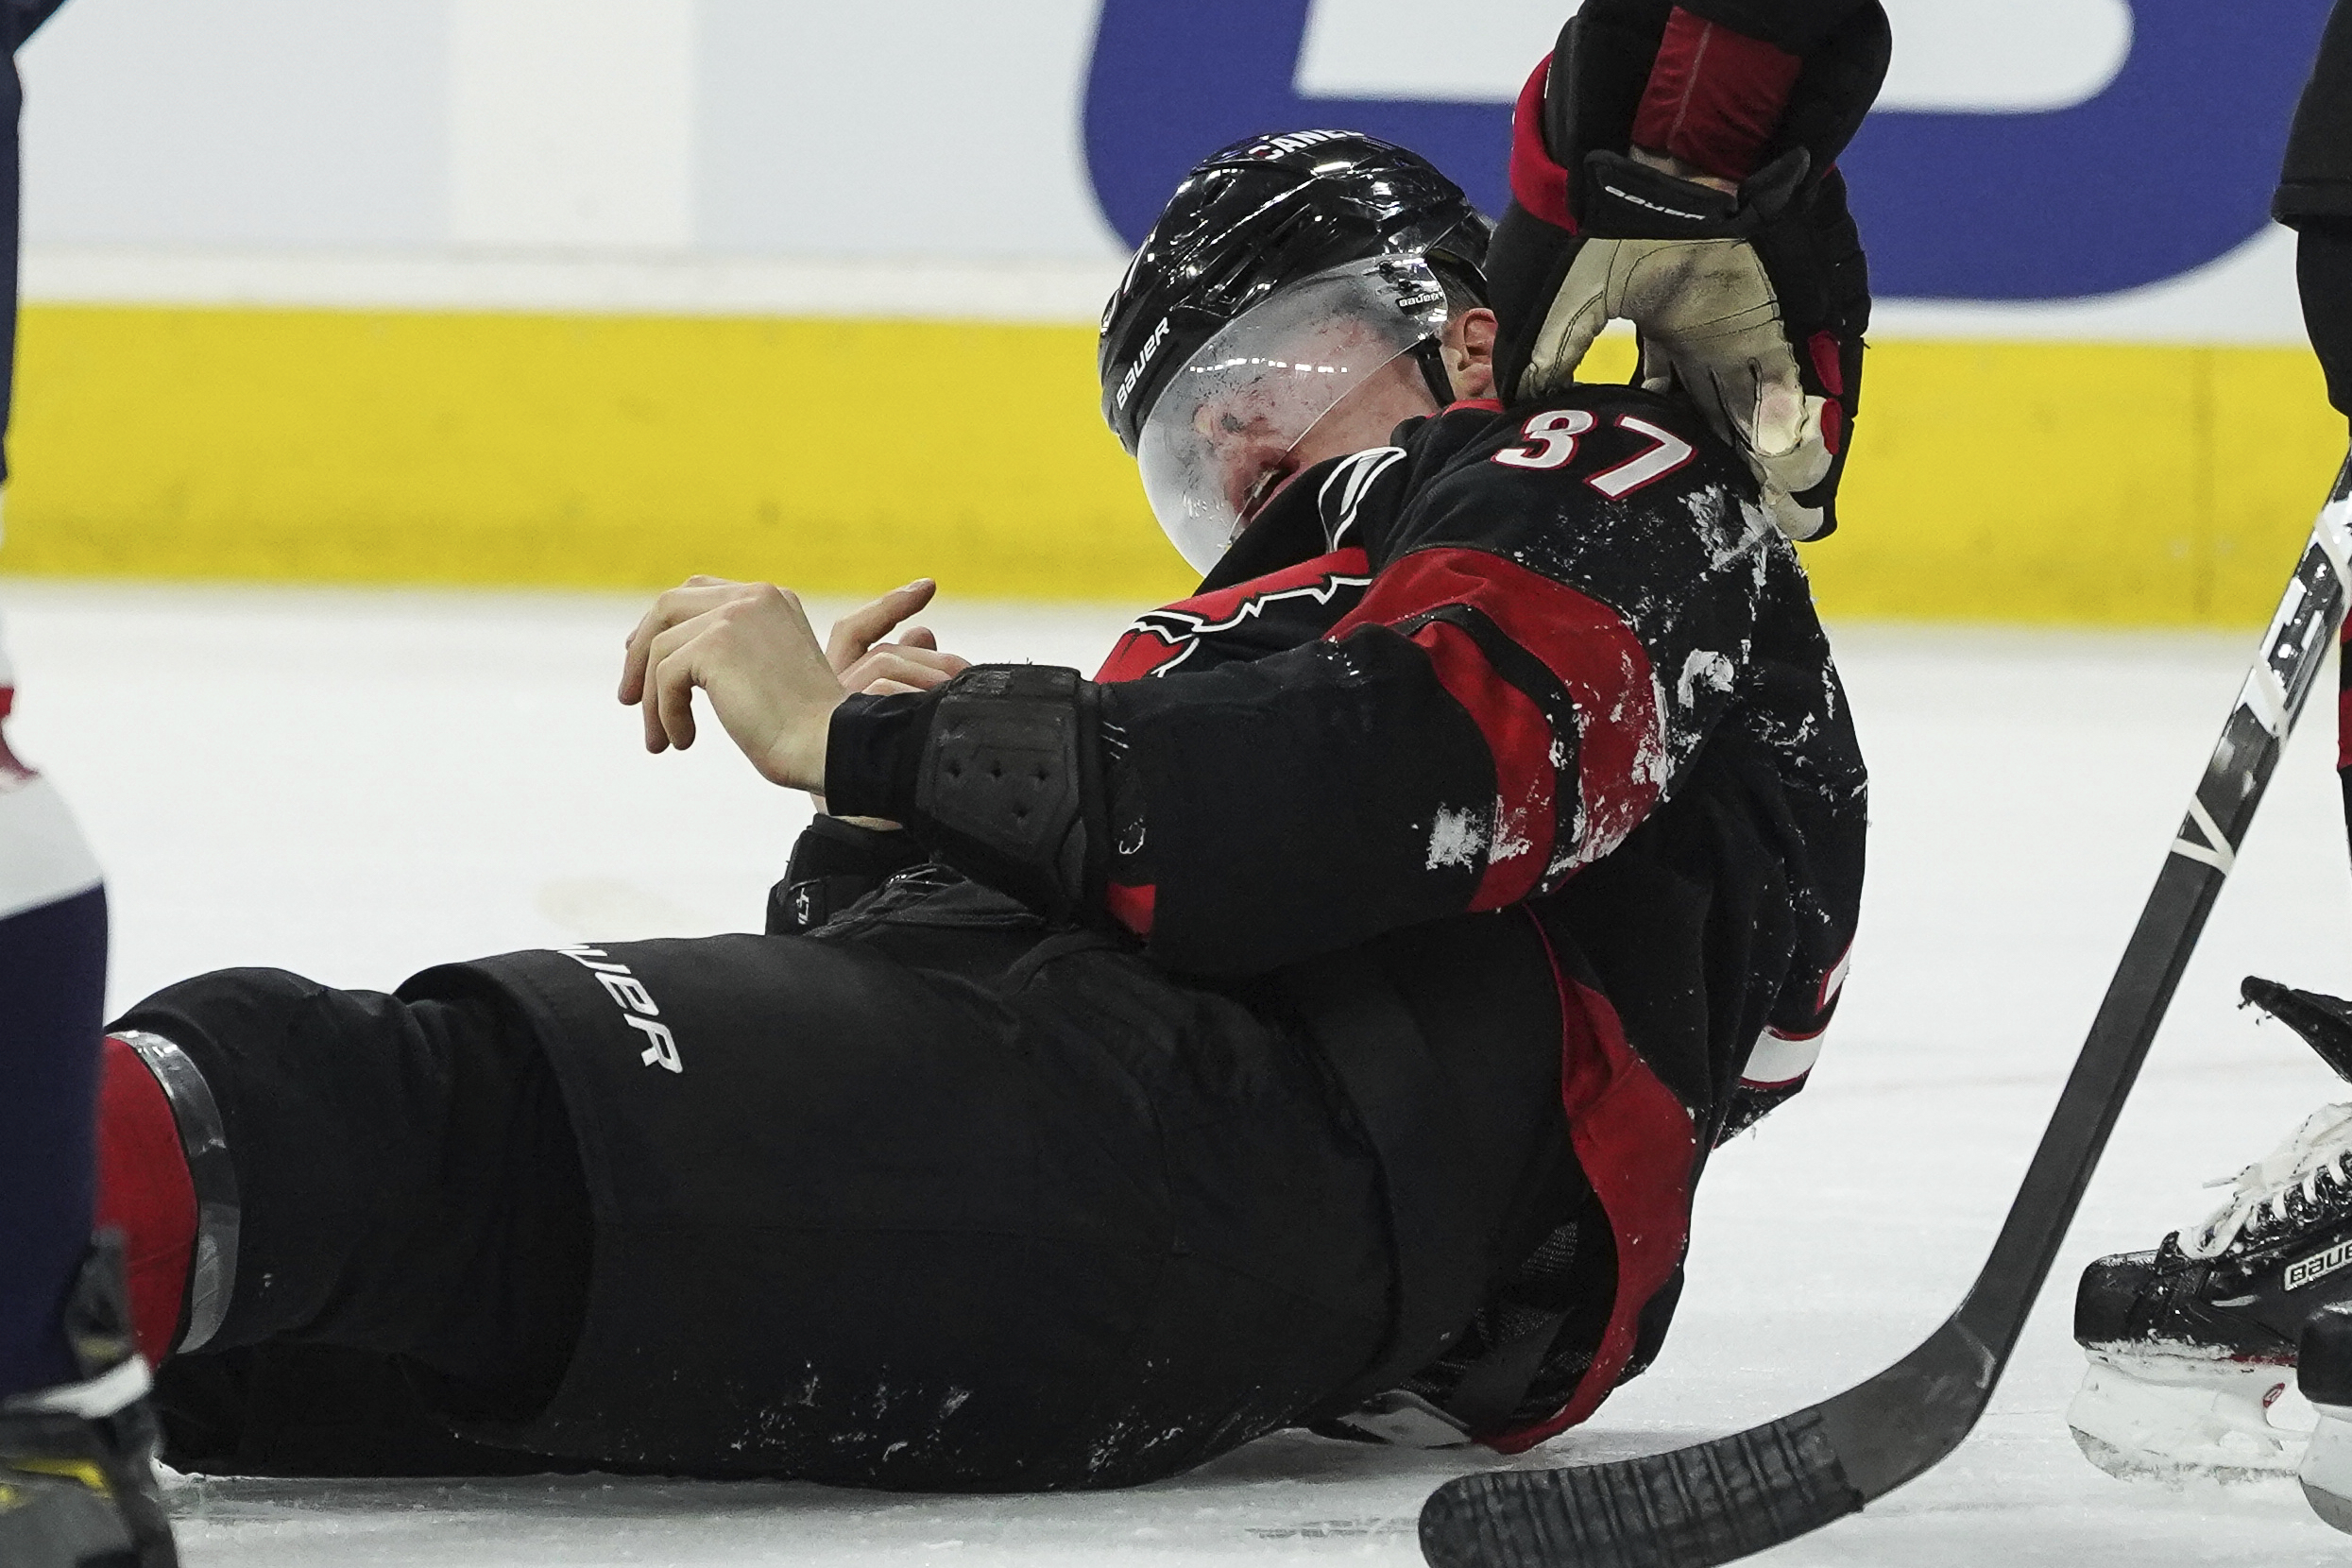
355 785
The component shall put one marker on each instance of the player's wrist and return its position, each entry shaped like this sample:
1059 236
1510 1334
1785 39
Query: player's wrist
873 753
796 760
1672 167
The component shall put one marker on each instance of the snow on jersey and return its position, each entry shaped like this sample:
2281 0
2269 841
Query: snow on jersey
1555 661
1445 674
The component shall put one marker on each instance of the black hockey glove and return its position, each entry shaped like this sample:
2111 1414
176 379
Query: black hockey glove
834 864
1753 303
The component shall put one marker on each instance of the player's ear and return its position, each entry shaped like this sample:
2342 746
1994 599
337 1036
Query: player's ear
1470 353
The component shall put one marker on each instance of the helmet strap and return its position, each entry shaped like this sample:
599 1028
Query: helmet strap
1431 355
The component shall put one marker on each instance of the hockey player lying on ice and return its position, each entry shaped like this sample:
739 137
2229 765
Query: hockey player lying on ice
1322 1016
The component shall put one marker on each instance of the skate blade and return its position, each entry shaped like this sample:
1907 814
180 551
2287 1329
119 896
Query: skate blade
2140 1465
2334 1509
2184 1417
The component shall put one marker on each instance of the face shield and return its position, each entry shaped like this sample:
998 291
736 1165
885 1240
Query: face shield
1213 446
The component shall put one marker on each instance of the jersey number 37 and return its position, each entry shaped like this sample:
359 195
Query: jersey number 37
1550 442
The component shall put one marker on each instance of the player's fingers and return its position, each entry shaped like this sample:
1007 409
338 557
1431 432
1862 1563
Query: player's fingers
1578 312
868 670
673 682
918 636
691 598
857 631
954 664
633 659
863 669
1771 414
896 661
649 708
1573 345
889 688
649 716
635 672
668 659
909 672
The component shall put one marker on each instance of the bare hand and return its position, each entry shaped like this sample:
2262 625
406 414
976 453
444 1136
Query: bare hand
864 663
749 647
868 666
1667 163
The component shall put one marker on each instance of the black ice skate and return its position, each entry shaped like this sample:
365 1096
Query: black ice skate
78 1484
2193 1347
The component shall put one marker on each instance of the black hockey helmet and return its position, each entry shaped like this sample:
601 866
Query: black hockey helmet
1262 213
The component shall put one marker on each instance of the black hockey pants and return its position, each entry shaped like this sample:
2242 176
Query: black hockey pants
414 1229
933 1200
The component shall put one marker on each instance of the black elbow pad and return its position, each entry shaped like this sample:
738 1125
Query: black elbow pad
1009 788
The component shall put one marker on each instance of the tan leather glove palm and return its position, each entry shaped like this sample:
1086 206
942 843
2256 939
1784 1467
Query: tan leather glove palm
1711 324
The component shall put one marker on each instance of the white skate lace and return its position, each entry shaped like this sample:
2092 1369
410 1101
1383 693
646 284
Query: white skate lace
2321 1146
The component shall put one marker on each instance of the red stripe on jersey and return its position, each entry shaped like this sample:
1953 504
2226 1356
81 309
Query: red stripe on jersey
1131 907
1137 653
1520 740
1715 96
1637 1145
1588 646
1166 636
1537 183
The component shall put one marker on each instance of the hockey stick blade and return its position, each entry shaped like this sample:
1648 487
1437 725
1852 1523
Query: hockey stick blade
1718 1501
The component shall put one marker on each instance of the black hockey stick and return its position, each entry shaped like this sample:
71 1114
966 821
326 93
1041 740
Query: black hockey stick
1721 1500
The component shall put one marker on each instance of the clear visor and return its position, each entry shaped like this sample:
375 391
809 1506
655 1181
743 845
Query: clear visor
1215 442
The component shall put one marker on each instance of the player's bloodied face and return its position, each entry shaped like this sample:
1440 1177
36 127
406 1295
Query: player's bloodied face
1322 369
1250 430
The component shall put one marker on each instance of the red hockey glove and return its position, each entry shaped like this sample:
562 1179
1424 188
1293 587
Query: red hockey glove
1747 283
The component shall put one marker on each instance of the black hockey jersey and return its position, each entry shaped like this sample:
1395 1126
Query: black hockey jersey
1554 660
